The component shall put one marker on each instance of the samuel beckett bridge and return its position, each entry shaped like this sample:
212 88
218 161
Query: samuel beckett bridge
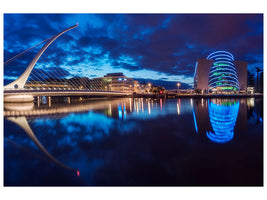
35 83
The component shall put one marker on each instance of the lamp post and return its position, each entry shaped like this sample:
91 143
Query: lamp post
178 85
149 86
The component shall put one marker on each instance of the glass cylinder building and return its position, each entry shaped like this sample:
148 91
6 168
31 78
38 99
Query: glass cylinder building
223 75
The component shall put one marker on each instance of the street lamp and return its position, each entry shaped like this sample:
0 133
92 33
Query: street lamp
149 86
178 84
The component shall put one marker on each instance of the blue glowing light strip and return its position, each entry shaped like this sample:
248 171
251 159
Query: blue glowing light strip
225 75
220 139
224 71
195 121
211 87
217 77
223 67
223 119
231 81
221 62
223 83
214 69
219 73
221 58
120 111
219 53
226 52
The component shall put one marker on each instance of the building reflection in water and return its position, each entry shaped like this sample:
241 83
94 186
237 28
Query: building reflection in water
223 114
219 118
255 110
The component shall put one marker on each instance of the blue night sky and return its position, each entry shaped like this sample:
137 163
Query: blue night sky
160 48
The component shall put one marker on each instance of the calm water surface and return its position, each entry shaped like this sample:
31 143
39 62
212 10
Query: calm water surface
134 142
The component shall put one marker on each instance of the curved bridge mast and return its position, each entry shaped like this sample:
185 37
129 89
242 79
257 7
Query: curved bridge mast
20 82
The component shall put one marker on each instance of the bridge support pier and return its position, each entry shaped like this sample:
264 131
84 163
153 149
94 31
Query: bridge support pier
38 101
49 101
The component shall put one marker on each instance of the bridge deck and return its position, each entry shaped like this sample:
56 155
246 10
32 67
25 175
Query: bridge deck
66 92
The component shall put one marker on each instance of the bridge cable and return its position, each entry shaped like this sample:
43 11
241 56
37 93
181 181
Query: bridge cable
25 51
58 73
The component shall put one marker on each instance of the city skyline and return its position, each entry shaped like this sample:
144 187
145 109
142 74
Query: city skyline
161 48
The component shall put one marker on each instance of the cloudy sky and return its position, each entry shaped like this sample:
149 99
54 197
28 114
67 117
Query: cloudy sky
159 48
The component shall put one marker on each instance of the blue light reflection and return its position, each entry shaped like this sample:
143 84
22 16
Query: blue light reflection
222 118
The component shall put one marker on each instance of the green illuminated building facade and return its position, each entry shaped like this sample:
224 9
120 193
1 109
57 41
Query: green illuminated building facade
219 73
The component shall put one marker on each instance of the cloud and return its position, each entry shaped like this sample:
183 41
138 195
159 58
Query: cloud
165 43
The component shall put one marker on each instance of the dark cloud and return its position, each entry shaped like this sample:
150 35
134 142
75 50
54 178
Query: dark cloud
126 66
167 43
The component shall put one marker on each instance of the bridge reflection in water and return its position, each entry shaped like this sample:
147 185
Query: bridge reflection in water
23 123
19 113
22 113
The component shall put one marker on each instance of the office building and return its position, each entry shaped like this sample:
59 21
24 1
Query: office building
117 82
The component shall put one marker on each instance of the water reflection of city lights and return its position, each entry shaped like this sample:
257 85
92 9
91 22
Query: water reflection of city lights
251 102
223 114
149 109
160 104
142 105
195 121
130 102
124 110
109 110
178 106
120 111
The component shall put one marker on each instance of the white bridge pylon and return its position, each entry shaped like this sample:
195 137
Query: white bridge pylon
20 82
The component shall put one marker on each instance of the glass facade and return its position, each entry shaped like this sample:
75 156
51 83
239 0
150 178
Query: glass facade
223 76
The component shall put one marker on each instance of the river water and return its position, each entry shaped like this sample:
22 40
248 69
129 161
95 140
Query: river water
134 142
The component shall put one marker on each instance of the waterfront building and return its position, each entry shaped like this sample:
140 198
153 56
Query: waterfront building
116 82
137 87
259 81
241 70
220 73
